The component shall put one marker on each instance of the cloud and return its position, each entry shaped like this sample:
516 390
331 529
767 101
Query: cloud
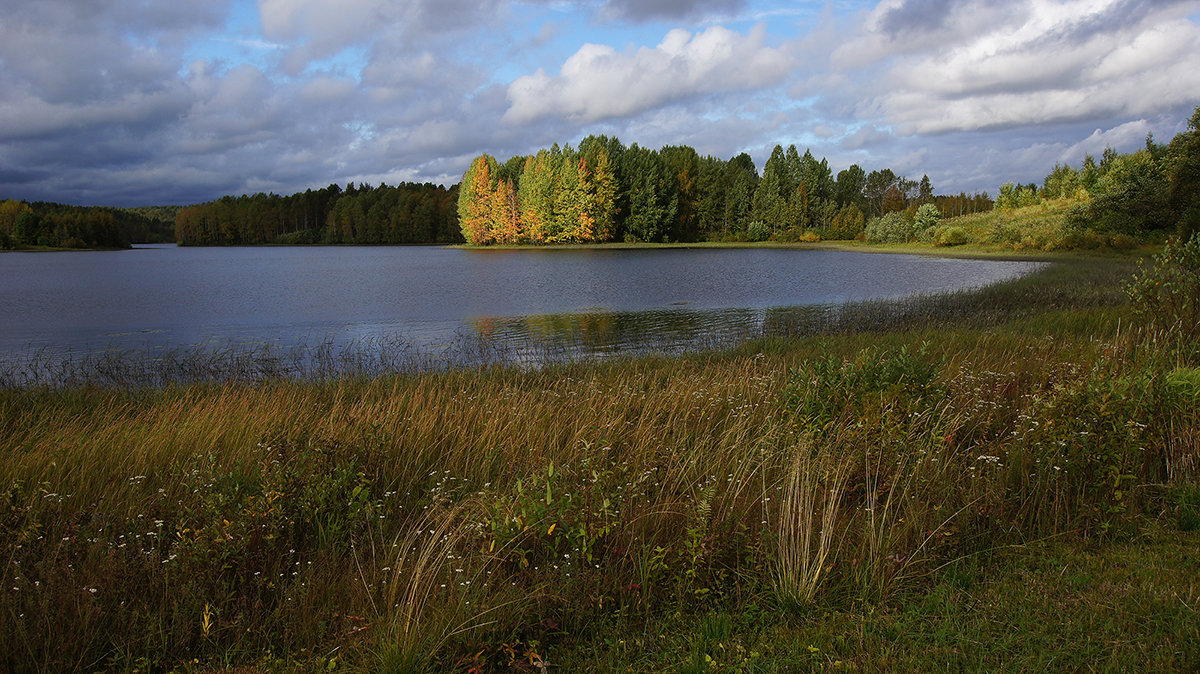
1124 136
914 16
1029 63
599 82
647 10
128 102
866 136
317 29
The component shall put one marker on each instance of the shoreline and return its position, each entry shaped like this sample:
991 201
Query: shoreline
966 251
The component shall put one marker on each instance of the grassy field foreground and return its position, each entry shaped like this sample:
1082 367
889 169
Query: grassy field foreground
1019 493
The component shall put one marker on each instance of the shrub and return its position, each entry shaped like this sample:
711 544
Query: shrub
1122 242
951 236
1166 295
847 224
927 216
758 231
1080 450
894 227
302 236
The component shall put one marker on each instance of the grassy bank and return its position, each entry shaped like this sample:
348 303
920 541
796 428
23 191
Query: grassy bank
989 480
981 249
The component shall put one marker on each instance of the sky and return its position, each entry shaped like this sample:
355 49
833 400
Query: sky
156 102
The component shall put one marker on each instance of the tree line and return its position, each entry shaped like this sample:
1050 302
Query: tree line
1155 189
54 225
405 213
606 191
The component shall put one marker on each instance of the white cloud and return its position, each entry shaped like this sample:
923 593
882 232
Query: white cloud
599 82
1031 63
1124 136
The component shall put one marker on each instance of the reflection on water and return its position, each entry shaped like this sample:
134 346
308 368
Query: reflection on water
601 333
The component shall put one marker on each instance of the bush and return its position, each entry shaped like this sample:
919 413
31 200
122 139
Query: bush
303 236
1122 242
951 236
847 224
758 231
1166 295
894 227
927 216
1080 450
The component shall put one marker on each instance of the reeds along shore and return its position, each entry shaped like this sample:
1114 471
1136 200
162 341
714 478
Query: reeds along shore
493 518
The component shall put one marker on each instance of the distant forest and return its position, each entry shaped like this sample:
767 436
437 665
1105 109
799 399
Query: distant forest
406 213
61 226
605 191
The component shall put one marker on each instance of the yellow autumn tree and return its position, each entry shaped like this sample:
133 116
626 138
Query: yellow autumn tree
505 225
475 197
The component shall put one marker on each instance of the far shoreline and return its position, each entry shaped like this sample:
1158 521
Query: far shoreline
965 251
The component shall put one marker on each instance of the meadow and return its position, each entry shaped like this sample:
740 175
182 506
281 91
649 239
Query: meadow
1001 479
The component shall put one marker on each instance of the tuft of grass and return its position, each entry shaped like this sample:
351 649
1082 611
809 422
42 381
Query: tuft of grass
806 526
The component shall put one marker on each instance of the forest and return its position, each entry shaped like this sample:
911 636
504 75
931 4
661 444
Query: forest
605 191
51 225
406 213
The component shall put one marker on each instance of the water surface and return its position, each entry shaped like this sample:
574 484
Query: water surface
165 296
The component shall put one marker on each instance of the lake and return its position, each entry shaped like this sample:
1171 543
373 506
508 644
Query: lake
163 296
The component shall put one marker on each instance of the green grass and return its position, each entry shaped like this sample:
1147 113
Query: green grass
1000 480
1047 606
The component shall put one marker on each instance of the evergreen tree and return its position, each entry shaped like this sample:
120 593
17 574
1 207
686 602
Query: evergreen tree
849 187
742 179
683 165
770 204
652 202
925 191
